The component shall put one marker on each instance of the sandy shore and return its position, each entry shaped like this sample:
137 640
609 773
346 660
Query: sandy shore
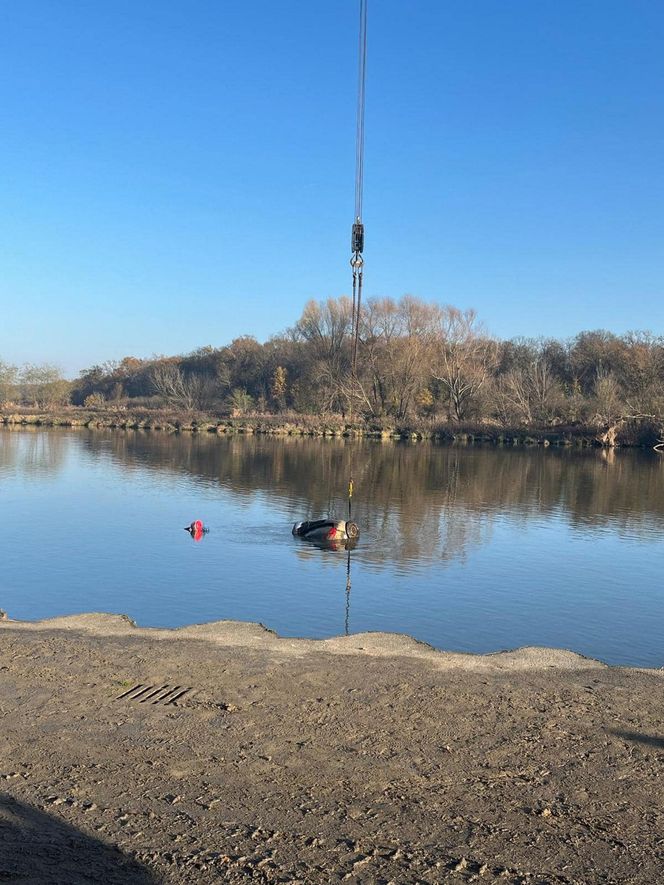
370 758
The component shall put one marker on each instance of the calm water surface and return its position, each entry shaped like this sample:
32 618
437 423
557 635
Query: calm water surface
469 549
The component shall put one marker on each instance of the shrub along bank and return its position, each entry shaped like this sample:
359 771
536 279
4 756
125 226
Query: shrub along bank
625 432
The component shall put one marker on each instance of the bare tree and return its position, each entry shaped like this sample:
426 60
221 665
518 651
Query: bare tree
8 382
607 400
643 372
187 392
465 358
513 401
397 345
325 329
531 393
43 386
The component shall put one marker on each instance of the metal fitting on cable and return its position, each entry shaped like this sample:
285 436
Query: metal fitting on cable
357 245
357 238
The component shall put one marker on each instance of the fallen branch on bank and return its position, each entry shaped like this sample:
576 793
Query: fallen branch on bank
609 437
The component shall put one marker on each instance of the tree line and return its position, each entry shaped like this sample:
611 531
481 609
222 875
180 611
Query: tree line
416 361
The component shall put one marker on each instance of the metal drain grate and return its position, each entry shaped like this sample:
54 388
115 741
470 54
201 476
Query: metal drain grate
153 694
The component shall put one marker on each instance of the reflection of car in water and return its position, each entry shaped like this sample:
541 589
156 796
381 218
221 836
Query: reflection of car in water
335 534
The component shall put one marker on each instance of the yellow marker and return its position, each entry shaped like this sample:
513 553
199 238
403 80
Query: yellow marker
350 489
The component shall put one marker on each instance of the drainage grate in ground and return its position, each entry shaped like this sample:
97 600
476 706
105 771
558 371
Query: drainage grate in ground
153 694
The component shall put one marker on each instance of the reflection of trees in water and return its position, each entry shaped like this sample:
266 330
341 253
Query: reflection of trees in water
33 452
418 500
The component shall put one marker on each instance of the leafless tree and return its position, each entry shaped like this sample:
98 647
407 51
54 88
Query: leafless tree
8 382
43 386
465 358
187 392
397 344
607 401
531 393
325 328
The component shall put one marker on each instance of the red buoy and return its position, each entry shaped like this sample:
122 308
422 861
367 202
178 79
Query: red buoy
196 529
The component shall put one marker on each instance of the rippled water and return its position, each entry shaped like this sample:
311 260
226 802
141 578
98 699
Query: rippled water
470 549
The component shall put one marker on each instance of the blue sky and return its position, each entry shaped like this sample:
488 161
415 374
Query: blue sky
175 174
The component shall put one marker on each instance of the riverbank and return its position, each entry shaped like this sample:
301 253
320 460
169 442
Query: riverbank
369 758
625 433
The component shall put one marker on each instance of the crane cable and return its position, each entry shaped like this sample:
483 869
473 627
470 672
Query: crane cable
357 232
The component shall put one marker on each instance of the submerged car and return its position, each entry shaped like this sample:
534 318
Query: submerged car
327 530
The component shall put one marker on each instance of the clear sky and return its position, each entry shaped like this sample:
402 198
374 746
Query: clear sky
175 174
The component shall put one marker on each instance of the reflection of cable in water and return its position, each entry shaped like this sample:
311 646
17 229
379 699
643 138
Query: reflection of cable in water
347 592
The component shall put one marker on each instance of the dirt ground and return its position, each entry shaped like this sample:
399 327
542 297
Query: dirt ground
370 758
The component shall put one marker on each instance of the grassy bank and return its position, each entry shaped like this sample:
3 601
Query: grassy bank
629 433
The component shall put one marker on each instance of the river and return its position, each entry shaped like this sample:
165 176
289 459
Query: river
467 548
